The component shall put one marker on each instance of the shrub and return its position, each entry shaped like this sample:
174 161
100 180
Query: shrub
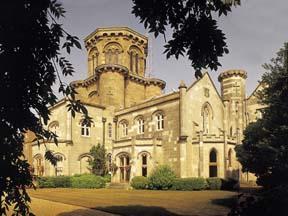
189 184
87 181
107 178
54 182
161 178
229 184
214 183
139 182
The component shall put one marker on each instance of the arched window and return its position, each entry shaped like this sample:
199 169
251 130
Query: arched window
230 158
124 129
159 121
144 165
84 163
213 163
124 167
140 125
136 57
109 130
93 60
112 53
85 130
53 127
59 165
38 165
207 115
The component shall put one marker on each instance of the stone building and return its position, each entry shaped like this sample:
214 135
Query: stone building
194 129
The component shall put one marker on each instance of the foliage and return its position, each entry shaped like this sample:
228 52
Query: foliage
229 184
265 146
265 203
214 183
87 181
189 184
194 28
98 163
139 182
161 178
29 55
54 182
107 178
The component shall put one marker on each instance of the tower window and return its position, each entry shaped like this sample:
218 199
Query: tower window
140 123
159 121
85 130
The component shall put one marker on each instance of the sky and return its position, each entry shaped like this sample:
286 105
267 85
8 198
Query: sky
255 31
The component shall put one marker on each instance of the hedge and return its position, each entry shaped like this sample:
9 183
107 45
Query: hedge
214 183
77 181
139 182
87 181
189 184
54 182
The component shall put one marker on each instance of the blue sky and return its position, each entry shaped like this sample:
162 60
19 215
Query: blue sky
255 31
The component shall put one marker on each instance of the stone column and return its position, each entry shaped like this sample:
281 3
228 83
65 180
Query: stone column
104 132
182 90
183 156
201 157
69 127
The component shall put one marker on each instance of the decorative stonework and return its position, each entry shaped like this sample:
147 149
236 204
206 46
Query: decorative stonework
232 73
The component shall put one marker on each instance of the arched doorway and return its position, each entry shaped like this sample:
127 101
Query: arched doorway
213 169
124 167
38 165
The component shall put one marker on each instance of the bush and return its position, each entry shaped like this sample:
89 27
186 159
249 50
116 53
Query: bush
107 178
229 184
214 183
139 182
87 181
54 182
189 184
161 178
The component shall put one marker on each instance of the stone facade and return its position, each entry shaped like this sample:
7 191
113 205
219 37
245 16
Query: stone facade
194 129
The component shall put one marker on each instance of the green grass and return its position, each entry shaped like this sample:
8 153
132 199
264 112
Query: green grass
143 202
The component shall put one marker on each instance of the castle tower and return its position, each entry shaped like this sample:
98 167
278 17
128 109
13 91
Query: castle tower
117 60
233 94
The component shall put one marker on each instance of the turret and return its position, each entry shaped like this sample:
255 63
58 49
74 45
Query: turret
233 94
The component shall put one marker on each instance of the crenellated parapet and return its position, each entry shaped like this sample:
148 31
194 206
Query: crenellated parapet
232 73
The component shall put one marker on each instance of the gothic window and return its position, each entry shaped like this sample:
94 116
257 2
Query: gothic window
140 125
231 131
53 127
112 53
206 120
59 165
159 121
144 165
124 128
213 163
230 158
109 130
38 165
85 130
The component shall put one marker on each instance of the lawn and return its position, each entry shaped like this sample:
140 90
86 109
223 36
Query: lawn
143 202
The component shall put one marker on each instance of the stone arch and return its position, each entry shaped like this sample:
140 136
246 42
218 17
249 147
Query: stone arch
38 165
136 57
123 127
207 117
213 162
59 168
144 152
53 127
113 52
93 60
84 163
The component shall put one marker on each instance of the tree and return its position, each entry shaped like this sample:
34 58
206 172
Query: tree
195 30
264 151
29 57
98 163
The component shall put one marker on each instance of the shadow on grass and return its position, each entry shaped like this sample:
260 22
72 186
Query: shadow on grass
226 202
130 210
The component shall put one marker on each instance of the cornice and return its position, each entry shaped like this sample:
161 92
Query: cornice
231 73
